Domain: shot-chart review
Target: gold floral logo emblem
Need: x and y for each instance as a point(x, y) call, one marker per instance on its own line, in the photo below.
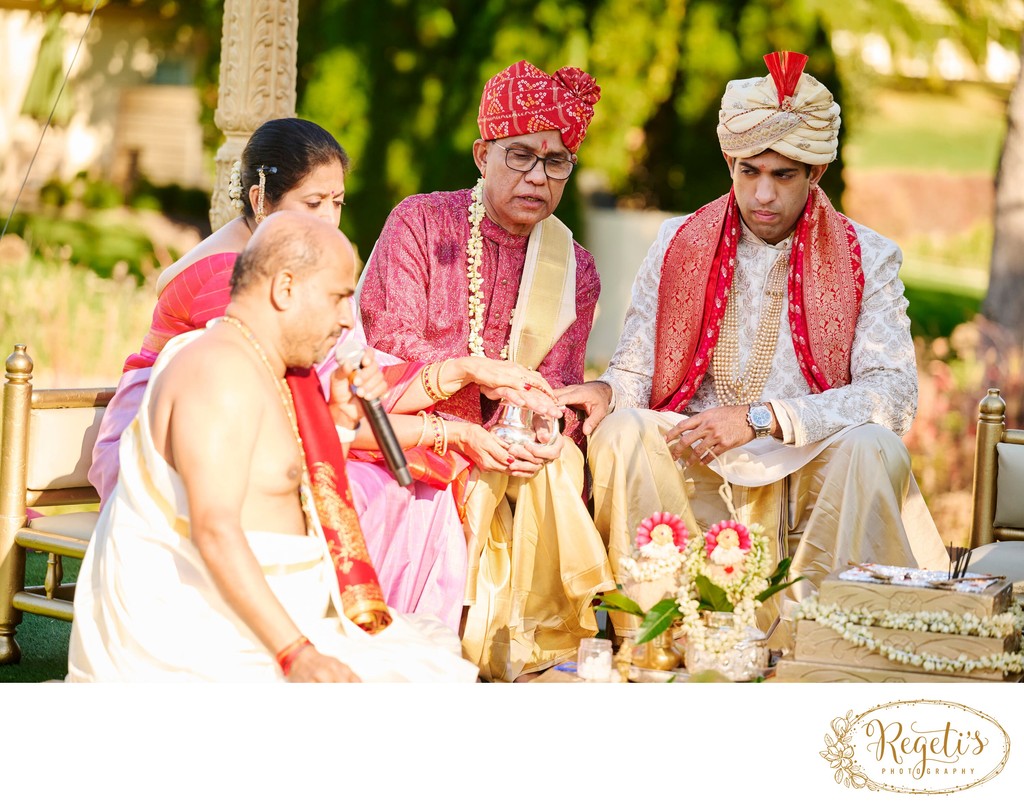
point(919, 746)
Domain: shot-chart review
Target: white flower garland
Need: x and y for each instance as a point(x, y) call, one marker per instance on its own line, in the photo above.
point(474, 261)
point(741, 589)
point(652, 561)
point(853, 625)
point(235, 186)
point(696, 631)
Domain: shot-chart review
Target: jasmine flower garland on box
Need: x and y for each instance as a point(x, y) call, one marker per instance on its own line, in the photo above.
point(854, 627)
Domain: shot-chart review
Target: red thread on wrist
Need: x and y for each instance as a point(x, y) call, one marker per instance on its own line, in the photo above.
point(287, 656)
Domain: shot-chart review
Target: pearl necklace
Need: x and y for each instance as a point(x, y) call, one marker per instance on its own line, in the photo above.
point(732, 386)
point(474, 261)
point(289, 407)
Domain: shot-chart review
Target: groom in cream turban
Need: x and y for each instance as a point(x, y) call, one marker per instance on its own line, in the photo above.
point(767, 342)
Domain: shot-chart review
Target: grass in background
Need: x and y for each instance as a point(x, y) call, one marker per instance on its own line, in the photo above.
point(43, 641)
point(78, 327)
point(946, 279)
point(958, 132)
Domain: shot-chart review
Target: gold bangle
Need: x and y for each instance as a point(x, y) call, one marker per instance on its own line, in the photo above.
point(435, 395)
point(437, 382)
point(425, 382)
point(438, 434)
point(423, 432)
point(444, 433)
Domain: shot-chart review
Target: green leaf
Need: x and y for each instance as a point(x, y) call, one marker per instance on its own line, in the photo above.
point(658, 619)
point(764, 595)
point(781, 571)
point(713, 596)
point(617, 602)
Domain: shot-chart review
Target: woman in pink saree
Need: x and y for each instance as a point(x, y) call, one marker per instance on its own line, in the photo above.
point(414, 535)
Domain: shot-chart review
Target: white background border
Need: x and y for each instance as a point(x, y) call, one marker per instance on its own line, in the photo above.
point(530, 745)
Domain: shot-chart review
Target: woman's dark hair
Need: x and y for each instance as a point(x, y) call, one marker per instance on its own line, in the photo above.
point(292, 146)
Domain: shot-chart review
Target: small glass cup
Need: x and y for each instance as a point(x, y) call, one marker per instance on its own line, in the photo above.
point(594, 663)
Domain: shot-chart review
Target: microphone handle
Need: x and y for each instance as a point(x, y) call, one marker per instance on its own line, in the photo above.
point(387, 440)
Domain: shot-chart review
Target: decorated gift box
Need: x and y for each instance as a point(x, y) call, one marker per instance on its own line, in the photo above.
point(877, 623)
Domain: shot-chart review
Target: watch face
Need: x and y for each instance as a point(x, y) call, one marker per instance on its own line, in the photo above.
point(760, 417)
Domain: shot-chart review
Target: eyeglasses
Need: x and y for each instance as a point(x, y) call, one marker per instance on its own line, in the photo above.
point(557, 168)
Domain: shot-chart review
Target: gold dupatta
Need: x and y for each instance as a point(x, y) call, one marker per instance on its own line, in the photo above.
point(531, 580)
point(546, 305)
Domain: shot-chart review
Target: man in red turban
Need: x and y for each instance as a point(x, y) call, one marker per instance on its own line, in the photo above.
point(490, 271)
point(768, 343)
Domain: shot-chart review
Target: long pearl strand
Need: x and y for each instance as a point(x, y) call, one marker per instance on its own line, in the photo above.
point(732, 386)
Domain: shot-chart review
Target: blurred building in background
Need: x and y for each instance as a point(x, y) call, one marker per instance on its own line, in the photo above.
point(129, 107)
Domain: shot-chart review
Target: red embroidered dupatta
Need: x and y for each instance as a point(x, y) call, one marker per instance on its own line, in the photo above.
point(361, 596)
point(825, 283)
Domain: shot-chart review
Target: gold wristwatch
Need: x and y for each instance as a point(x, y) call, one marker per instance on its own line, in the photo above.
point(759, 416)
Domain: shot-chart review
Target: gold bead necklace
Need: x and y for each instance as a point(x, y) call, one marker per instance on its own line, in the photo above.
point(733, 386)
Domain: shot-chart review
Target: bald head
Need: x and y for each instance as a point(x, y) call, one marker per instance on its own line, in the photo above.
point(291, 242)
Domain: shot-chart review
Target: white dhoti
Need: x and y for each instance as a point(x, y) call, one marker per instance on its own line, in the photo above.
point(148, 610)
point(850, 498)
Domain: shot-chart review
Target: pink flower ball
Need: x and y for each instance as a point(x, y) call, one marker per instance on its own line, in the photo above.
point(662, 528)
point(729, 533)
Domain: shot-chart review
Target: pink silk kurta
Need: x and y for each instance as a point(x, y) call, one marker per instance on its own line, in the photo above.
point(415, 291)
point(414, 536)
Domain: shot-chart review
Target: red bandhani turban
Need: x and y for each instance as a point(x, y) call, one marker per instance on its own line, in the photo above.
point(524, 99)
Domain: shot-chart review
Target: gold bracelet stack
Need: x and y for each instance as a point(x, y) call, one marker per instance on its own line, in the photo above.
point(439, 430)
point(434, 390)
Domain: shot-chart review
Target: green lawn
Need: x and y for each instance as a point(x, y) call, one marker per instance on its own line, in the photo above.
point(43, 641)
point(958, 132)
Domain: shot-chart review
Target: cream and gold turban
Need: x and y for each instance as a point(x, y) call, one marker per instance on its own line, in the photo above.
point(787, 111)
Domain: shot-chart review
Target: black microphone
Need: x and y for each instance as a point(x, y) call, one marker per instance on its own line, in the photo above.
point(350, 353)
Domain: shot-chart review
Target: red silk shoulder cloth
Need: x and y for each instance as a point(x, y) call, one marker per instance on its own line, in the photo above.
point(825, 282)
point(361, 596)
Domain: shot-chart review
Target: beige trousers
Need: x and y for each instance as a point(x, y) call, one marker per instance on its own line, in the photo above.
point(845, 505)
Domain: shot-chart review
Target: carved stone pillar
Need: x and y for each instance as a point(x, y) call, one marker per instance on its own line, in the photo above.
point(257, 82)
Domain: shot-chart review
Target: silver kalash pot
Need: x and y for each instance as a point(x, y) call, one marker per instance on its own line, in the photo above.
point(520, 425)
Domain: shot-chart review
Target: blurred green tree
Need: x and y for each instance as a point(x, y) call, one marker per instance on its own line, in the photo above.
point(399, 83)
point(678, 164)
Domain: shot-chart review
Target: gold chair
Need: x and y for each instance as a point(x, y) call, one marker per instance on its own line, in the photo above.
point(45, 454)
point(998, 498)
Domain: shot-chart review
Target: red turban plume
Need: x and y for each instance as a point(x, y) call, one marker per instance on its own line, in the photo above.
point(785, 67)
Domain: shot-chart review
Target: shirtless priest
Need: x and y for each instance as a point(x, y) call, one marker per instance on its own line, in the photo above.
point(229, 550)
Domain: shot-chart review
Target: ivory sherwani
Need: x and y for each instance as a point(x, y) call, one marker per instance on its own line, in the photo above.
point(148, 610)
point(829, 479)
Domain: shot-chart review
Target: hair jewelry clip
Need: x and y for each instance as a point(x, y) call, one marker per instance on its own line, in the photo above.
point(262, 171)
